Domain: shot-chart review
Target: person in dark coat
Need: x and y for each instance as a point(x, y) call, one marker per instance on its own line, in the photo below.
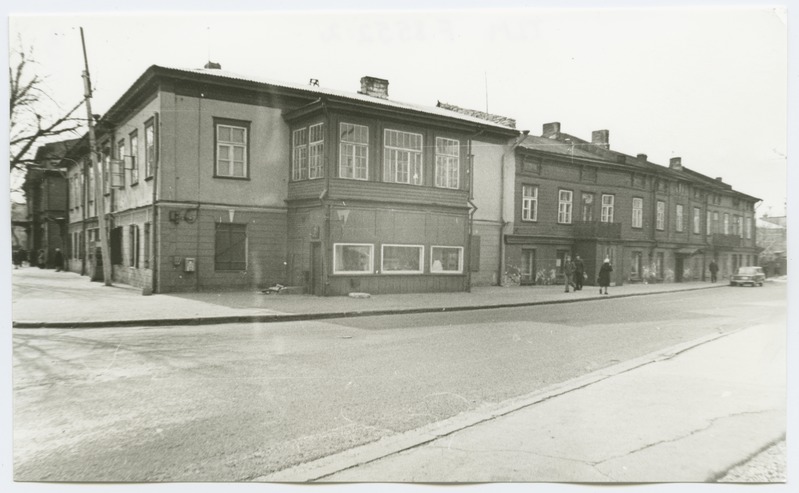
point(58, 260)
point(568, 272)
point(713, 268)
point(579, 273)
point(604, 276)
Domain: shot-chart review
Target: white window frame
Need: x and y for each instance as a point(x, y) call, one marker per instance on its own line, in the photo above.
point(231, 145)
point(726, 223)
point(565, 206)
point(134, 157)
point(709, 225)
point(529, 203)
point(679, 213)
point(299, 154)
point(460, 260)
point(608, 201)
point(448, 164)
point(355, 151)
point(748, 227)
point(638, 212)
point(316, 151)
point(740, 226)
point(660, 215)
point(398, 245)
point(307, 152)
point(337, 270)
point(393, 171)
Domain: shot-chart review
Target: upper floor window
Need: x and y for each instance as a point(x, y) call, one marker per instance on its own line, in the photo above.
point(588, 207)
point(739, 226)
point(232, 149)
point(402, 157)
point(726, 223)
point(134, 158)
point(607, 208)
point(679, 219)
point(307, 156)
point(638, 212)
point(564, 206)
point(749, 228)
point(529, 203)
point(121, 159)
point(447, 162)
point(150, 155)
point(697, 220)
point(660, 217)
point(354, 151)
point(715, 222)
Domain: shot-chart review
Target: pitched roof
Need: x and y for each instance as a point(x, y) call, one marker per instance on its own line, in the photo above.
point(502, 120)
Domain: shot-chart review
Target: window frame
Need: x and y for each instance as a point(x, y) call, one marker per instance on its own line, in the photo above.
point(679, 218)
point(232, 124)
point(529, 203)
point(344, 144)
point(697, 221)
point(726, 223)
point(121, 157)
point(445, 161)
point(410, 152)
point(150, 143)
point(232, 268)
point(314, 151)
point(446, 272)
point(660, 215)
point(337, 271)
point(401, 272)
point(133, 137)
point(638, 213)
point(563, 212)
point(607, 209)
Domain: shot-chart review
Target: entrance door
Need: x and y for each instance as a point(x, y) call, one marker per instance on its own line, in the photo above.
point(528, 266)
point(678, 268)
point(316, 269)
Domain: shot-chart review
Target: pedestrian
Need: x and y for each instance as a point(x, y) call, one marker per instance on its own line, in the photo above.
point(58, 259)
point(568, 273)
point(604, 276)
point(40, 260)
point(16, 258)
point(579, 273)
point(713, 270)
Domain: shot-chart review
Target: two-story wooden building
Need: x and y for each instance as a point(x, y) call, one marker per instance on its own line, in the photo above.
point(654, 223)
point(217, 180)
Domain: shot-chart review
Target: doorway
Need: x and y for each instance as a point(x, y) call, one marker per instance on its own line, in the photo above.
point(678, 268)
point(528, 266)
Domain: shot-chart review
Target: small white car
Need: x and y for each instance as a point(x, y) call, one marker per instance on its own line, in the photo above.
point(754, 276)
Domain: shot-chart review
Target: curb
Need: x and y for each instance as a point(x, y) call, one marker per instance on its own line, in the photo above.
point(297, 317)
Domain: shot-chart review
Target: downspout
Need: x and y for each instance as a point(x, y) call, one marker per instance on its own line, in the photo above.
point(473, 206)
point(154, 228)
point(324, 237)
point(503, 223)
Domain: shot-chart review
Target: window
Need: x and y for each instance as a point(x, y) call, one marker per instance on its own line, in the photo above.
point(121, 158)
point(402, 157)
point(402, 259)
point(588, 207)
point(354, 151)
point(353, 258)
point(564, 206)
point(133, 245)
point(726, 223)
point(307, 157)
point(739, 226)
point(150, 155)
point(715, 222)
point(230, 247)
point(446, 260)
point(447, 162)
point(635, 267)
point(638, 212)
point(708, 224)
point(697, 221)
point(134, 158)
point(607, 208)
point(749, 228)
point(232, 148)
point(146, 245)
point(660, 218)
point(679, 219)
point(529, 203)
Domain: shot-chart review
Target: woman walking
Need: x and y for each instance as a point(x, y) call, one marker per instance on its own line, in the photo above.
point(604, 276)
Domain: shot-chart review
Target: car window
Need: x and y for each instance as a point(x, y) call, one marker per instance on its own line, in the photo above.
point(749, 270)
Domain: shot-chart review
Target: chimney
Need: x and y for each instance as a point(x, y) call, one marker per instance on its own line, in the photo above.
point(601, 138)
point(551, 130)
point(642, 157)
point(211, 64)
point(675, 163)
point(718, 178)
point(372, 86)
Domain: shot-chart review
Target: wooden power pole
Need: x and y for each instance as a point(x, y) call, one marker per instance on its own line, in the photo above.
point(97, 167)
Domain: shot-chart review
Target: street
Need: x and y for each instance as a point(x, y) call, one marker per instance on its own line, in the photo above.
point(237, 402)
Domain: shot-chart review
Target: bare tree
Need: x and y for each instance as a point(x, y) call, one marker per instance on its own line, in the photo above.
point(31, 112)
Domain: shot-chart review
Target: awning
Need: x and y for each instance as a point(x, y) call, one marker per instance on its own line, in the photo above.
point(687, 251)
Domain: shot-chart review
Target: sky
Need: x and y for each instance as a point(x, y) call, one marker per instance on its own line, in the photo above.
point(706, 84)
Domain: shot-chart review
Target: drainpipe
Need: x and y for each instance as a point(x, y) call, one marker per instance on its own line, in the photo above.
point(509, 152)
point(473, 209)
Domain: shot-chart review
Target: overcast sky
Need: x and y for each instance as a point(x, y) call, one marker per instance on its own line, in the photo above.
point(708, 85)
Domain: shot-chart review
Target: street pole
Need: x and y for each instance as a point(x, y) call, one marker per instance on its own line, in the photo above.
point(96, 164)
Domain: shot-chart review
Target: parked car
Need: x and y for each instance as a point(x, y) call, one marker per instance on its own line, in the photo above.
point(751, 275)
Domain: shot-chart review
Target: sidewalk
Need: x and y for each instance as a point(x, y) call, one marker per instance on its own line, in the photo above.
point(685, 414)
point(45, 298)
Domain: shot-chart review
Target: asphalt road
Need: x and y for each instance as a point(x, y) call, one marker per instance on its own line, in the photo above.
point(234, 402)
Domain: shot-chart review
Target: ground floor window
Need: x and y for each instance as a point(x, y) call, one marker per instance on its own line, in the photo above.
point(146, 245)
point(353, 258)
point(230, 251)
point(635, 267)
point(133, 245)
point(446, 259)
point(402, 259)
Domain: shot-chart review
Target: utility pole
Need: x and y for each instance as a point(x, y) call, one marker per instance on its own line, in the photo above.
point(99, 172)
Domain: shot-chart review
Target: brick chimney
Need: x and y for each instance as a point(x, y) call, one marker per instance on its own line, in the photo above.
point(642, 157)
point(601, 138)
point(551, 130)
point(718, 178)
point(372, 86)
point(675, 163)
point(215, 65)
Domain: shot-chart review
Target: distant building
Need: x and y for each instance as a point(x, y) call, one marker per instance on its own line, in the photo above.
point(772, 238)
